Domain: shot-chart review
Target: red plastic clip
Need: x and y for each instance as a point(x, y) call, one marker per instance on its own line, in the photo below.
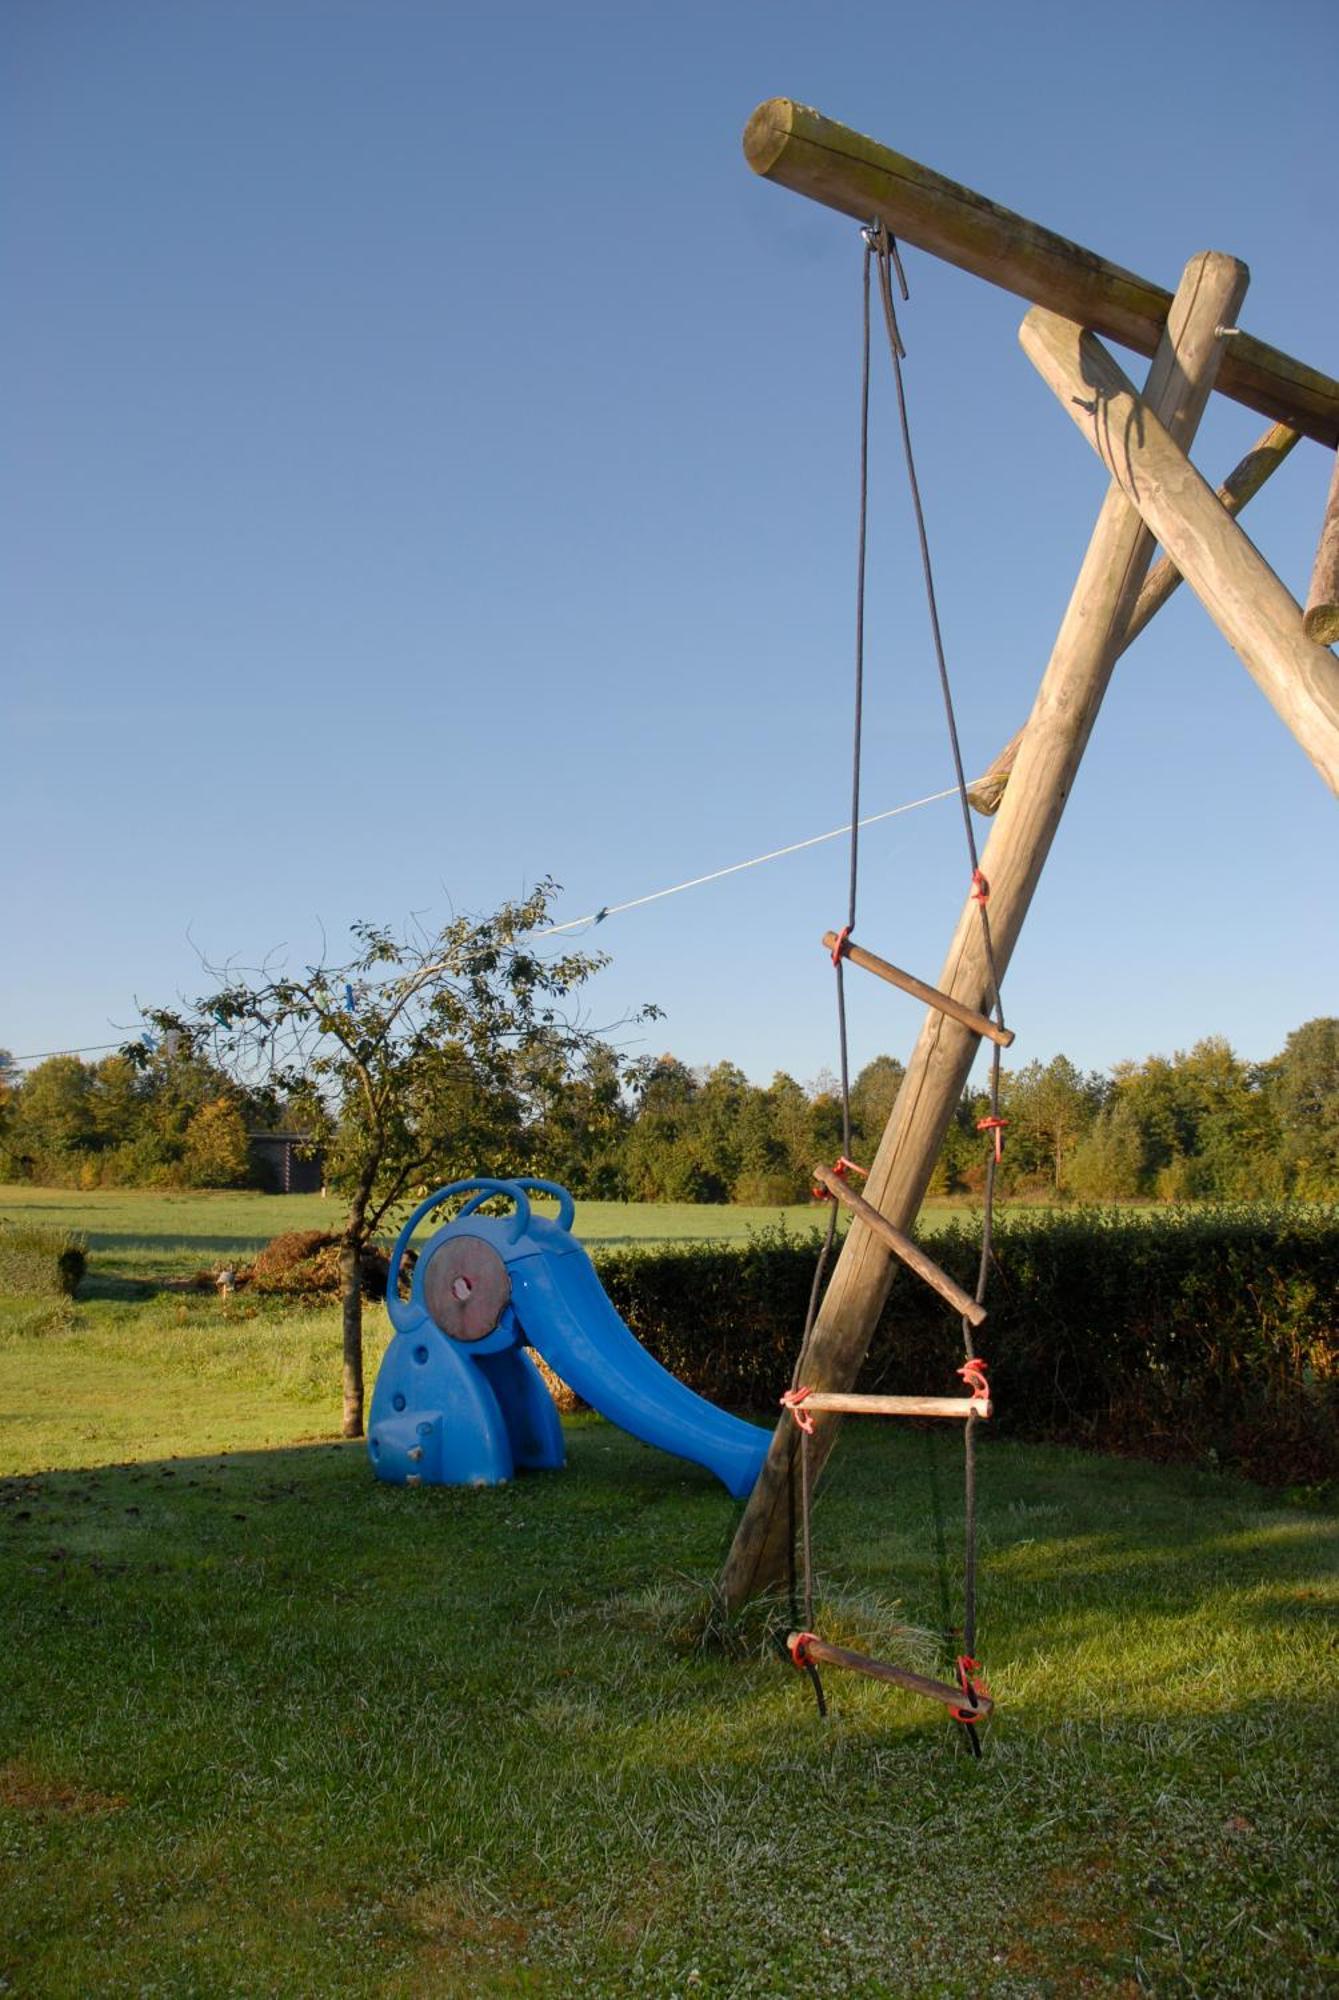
point(798, 1647)
point(973, 1373)
point(980, 888)
point(792, 1400)
point(841, 1167)
point(995, 1125)
point(972, 1685)
point(839, 949)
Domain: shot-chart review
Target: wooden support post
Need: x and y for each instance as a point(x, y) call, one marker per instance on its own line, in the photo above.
point(897, 1406)
point(1250, 606)
point(1067, 703)
point(902, 1247)
point(1242, 484)
point(801, 149)
point(1322, 600)
point(823, 1654)
point(868, 961)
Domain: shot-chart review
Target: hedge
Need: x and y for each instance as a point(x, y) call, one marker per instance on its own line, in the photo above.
point(37, 1262)
point(1195, 1334)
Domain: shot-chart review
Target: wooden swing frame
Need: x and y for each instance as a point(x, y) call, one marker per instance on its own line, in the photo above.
point(1195, 345)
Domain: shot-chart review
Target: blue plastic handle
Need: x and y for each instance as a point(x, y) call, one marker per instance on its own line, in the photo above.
point(486, 1189)
point(567, 1208)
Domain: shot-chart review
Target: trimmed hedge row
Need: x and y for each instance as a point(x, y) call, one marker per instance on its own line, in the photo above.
point(38, 1262)
point(1192, 1334)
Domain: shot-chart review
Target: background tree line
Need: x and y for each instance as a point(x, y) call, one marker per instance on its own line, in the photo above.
point(1200, 1124)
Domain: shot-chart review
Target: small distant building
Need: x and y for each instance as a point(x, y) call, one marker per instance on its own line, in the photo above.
point(287, 1163)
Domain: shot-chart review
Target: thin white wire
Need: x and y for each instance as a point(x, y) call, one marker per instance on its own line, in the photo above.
point(736, 867)
point(656, 895)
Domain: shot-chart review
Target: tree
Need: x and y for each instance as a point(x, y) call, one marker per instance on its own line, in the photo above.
point(1108, 1162)
point(1303, 1084)
point(54, 1116)
point(422, 1056)
point(872, 1097)
point(1049, 1106)
point(584, 1123)
point(661, 1154)
point(215, 1153)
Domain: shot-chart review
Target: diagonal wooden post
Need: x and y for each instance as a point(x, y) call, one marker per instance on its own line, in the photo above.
point(1252, 608)
point(1321, 622)
point(1085, 651)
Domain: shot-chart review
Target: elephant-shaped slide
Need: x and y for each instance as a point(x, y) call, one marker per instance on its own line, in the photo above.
point(459, 1402)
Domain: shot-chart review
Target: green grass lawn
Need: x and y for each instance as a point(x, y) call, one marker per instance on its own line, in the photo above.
point(270, 1728)
point(150, 1233)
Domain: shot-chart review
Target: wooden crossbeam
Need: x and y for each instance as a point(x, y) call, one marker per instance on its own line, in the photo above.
point(799, 148)
point(868, 961)
point(822, 1653)
point(1067, 702)
point(1251, 607)
point(851, 1404)
point(903, 1247)
point(1242, 484)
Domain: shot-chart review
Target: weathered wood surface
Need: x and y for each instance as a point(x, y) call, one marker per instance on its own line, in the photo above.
point(825, 1654)
point(903, 1247)
point(800, 149)
point(1241, 485)
point(1251, 607)
point(1321, 622)
point(984, 793)
point(1067, 702)
point(919, 989)
point(897, 1406)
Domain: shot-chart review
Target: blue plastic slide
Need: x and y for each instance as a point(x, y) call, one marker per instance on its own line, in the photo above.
point(458, 1401)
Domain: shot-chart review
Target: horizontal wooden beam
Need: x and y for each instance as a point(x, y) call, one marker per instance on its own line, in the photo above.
point(907, 982)
point(823, 1654)
point(854, 1405)
point(902, 1247)
point(801, 149)
point(1251, 607)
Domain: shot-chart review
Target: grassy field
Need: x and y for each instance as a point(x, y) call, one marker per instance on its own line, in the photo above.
point(269, 1728)
point(147, 1233)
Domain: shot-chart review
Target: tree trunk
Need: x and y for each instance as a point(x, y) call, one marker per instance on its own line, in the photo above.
point(351, 1307)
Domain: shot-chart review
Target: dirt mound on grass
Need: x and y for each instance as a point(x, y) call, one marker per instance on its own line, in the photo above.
point(306, 1261)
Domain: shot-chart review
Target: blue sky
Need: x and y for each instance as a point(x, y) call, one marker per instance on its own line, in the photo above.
point(431, 466)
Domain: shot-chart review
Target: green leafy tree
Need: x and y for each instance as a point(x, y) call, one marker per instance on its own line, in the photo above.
point(54, 1116)
point(215, 1153)
point(661, 1150)
point(1107, 1164)
point(1049, 1106)
point(584, 1122)
point(1303, 1086)
point(790, 1116)
point(1234, 1144)
point(415, 1059)
point(872, 1097)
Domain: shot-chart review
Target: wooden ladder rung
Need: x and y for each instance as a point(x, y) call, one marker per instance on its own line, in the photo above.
point(980, 1024)
point(823, 1654)
point(899, 1406)
point(902, 1246)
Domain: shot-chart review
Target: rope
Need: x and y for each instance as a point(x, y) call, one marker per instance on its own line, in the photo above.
point(881, 245)
point(853, 887)
point(881, 258)
point(737, 867)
